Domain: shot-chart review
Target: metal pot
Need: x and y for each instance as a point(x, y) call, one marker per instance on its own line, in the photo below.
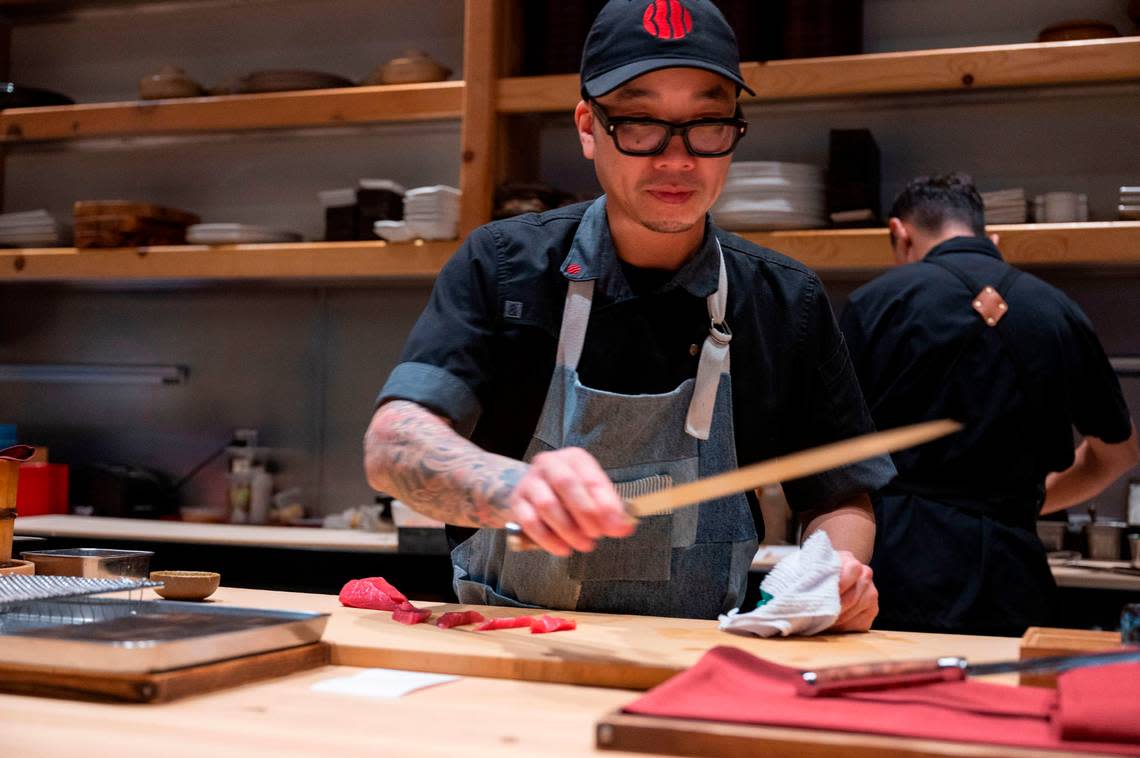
point(1052, 534)
point(1104, 539)
point(1134, 549)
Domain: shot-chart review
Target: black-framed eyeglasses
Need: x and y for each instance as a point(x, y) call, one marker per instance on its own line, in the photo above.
point(703, 137)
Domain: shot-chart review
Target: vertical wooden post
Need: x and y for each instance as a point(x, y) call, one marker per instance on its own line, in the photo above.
point(481, 59)
point(5, 70)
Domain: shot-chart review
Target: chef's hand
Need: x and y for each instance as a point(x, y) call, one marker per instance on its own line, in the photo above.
point(858, 597)
point(565, 502)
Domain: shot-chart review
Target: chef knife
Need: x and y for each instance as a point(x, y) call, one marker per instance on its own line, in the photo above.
point(838, 680)
point(783, 468)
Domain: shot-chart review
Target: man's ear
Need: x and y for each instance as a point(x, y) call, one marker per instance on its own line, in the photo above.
point(996, 239)
point(584, 121)
point(901, 241)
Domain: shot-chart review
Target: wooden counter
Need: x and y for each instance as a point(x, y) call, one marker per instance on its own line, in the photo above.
point(473, 716)
point(1086, 575)
point(352, 540)
point(149, 530)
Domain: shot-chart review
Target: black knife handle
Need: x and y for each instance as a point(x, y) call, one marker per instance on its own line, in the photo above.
point(871, 676)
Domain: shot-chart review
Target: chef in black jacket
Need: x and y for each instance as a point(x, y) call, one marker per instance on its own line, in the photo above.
point(957, 332)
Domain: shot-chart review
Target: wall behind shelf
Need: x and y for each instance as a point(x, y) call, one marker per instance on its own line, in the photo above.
point(102, 56)
point(891, 25)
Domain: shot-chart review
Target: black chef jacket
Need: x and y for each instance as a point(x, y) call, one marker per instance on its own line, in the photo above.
point(956, 548)
point(483, 351)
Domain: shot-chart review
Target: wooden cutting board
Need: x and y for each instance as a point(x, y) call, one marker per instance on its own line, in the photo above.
point(667, 736)
point(163, 686)
point(632, 652)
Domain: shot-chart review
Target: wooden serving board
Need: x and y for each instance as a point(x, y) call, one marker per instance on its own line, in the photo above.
point(163, 686)
point(631, 652)
point(669, 736)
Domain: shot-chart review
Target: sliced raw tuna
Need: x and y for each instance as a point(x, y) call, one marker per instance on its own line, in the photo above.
point(407, 613)
point(514, 622)
point(373, 593)
point(459, 618)
point(551, 624)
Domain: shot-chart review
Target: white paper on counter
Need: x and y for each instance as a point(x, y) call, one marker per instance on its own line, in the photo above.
point(388, 683)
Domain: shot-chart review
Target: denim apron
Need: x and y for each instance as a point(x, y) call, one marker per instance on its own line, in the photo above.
point(690, 563)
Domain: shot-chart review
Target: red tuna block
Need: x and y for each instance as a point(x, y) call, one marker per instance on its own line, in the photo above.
point(373, 593)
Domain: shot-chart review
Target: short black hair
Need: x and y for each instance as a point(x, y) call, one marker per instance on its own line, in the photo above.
point(930, 202)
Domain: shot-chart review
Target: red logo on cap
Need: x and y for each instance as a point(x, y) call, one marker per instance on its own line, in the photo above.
point(667, 19)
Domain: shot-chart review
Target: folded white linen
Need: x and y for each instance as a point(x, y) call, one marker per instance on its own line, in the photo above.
point(800, 595)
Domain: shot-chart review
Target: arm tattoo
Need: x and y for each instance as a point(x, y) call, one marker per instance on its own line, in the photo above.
point(415, 456)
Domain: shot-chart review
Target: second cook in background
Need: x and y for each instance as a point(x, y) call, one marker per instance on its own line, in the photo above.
point(593, 342)
point(957, 332)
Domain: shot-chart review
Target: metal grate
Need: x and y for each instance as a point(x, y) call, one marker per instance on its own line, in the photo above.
point(19, 589)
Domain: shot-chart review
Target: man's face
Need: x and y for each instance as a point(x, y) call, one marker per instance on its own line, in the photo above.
point(669, 192)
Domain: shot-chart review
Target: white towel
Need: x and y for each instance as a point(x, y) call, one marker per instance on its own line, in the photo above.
point(800, 595)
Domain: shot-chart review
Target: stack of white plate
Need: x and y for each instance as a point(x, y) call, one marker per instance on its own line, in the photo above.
point(432, 213)
point(237, 234)
point(1129, 207)
point(1005, 206)
point(772, 195)
point(31, 229)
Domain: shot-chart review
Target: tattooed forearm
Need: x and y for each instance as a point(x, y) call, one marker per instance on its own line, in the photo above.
point(415, 456)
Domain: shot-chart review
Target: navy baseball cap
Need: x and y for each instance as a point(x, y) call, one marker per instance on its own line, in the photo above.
point(633, 37)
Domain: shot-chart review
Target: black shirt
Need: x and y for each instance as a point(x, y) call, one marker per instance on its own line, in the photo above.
point(1020, 387)
point(483, 351)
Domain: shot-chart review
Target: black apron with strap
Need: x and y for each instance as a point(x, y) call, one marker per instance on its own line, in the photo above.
point(954, 560)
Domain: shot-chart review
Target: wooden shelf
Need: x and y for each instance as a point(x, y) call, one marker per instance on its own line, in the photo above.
point(276, 110)
point(963, 69)
point(1100, 243)
point(1110, 243)
point(296, 261)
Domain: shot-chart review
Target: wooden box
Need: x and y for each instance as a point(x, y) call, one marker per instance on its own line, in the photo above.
point(1039, 642)
point(119, 223)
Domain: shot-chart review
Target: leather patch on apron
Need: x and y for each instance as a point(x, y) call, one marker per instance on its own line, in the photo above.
point(990, 305)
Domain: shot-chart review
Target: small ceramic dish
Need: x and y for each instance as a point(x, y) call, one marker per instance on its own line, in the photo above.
point(169, 82)
point(412, 67)
point(1077, 29)
point(17, 567)
point(186, 585)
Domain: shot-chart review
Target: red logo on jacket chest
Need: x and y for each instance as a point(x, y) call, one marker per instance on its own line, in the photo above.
point(667, 19)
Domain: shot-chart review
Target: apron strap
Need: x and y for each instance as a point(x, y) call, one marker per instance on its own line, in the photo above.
point(575, 318)
point(714, 359)
point(714, 354)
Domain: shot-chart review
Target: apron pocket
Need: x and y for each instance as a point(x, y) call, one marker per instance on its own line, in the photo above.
point(642, 557)
point(475, 593)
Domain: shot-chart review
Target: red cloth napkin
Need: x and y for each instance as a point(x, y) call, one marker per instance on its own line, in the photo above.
point(728, 684)
point(1100, 703)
